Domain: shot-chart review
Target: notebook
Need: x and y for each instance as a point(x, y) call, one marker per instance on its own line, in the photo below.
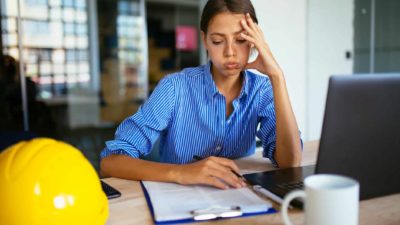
point(360, 138)
point(172, 203)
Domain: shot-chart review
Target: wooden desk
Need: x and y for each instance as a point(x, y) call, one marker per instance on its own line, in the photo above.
point(131, 208)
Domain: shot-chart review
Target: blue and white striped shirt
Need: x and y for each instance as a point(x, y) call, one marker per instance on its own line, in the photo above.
point(189, 115)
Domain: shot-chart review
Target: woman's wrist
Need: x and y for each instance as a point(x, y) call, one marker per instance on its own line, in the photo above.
point(271, 67)
point(173, 174)
point(276, 76)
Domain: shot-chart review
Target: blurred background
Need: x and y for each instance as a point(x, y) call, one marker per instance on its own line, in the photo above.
point(74, 69)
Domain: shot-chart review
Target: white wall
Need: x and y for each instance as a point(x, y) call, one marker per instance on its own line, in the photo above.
point(309, 39)
point(284, 25)
point(329, 36)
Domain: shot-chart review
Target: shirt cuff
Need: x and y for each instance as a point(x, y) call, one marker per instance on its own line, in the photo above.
point(115, 149)
point(269, 153)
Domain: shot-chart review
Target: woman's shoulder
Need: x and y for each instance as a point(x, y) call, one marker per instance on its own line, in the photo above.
point(257, 79)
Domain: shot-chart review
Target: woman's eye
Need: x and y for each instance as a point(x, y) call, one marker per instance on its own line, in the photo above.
point(241, 41)
point(216, 42)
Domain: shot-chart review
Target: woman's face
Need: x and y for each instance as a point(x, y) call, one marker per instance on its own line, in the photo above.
point(227, 49)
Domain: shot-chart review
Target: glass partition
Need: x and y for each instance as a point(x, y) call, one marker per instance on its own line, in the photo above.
point(376, 36)
point(85, 69)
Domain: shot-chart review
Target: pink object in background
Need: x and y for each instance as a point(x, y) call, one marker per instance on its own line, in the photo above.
point(186, 38)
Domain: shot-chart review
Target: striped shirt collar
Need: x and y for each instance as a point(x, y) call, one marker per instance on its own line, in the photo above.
point(212, 87)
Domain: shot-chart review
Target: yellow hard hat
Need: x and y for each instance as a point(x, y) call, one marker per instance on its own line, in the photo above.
point(48, 182)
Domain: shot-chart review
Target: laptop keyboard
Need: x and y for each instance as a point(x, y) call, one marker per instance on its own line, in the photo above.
point(291, 186)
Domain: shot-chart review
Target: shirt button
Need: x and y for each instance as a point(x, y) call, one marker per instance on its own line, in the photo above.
point(218, 148)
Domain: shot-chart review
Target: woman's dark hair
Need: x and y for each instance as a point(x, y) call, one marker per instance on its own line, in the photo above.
point(214, 7)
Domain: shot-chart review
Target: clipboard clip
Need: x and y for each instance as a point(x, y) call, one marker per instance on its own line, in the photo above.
point(216, 212)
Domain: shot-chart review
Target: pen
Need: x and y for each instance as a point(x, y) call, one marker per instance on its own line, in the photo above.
point(196, 157)
point(268, 194)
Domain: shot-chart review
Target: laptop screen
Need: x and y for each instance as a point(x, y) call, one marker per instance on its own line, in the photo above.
point(360, 138)
point(361, 132)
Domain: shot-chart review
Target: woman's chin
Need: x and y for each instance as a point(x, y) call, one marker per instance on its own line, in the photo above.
point(232, 72)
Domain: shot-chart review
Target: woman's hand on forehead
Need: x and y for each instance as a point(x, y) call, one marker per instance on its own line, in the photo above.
point(265, 62)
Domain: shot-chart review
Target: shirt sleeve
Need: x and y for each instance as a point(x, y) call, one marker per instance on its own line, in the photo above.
point(136, 135)
point(267, 120)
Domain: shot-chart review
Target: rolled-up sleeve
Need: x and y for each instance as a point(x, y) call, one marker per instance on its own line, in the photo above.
point(136, 135)
point(267, 119)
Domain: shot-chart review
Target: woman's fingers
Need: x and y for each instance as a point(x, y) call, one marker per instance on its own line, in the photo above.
point(213, 171)
point(213, 181)
point(250, 22)
point(246, 27)
point(225, 162)
point(248, 38)
point(230, 169)
point(252, 33)
point(226, 178)
point(225, 174)
point(221, 169)
point(251, 28)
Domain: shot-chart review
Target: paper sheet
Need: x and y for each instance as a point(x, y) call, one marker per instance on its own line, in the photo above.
point(174, 202)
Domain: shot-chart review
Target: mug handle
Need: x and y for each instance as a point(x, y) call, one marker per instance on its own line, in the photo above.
point(288, 198)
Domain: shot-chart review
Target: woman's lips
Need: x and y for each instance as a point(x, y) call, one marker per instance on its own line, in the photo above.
point(231, 65)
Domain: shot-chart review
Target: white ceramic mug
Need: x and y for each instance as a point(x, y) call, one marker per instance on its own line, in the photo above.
point(328, 200)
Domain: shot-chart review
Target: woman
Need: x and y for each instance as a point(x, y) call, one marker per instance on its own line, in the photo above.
point(212, 111)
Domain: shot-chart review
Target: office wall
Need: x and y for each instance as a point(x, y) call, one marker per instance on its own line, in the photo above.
point(329, 36)
point(284, 25)
point(309, 39)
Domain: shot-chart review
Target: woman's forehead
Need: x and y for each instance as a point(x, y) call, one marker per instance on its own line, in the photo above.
point(225, 24)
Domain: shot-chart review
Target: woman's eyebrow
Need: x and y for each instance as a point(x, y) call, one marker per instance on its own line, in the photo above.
point(222, 34)
point(217, 34)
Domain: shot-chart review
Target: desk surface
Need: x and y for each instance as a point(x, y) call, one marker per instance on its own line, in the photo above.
point(131, 208)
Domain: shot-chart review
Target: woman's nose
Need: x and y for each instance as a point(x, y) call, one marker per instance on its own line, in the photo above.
point(229, 50)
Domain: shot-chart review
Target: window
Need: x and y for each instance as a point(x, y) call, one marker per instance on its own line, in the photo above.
point(55, 42)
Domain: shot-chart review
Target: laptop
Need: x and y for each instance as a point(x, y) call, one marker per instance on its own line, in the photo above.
point(360, 138)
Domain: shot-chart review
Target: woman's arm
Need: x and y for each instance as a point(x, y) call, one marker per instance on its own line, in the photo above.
point(136, 135)
point(212, 171)
point(288, 146)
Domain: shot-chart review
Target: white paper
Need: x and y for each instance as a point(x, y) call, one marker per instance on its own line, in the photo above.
point(174, 202)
